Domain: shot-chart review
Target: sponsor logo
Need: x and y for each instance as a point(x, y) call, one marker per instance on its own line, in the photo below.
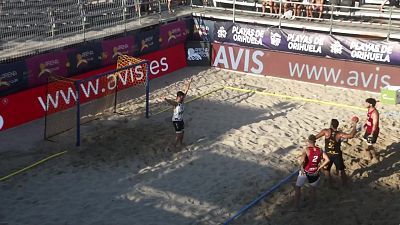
point(371, 51)
point(386, 97)
point(305, 68)
point(222, 32)
point(246, 60)
point(197, 54)
point(305, 42)
point(101, 87)
point(276, 39)
point(336, 48)
point(1, 122)
point(247, 35)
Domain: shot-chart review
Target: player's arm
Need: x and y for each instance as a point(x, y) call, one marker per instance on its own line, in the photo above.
point(326, 161)
point(351, 134)
point(171, 102)
point(302, 160)
point(187, 87)
point(375, 119)
point(321, 134)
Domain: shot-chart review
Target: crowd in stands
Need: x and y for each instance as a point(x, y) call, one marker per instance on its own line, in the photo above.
point(309, 9)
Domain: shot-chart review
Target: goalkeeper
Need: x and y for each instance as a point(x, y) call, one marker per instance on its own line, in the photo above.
point(177, 117)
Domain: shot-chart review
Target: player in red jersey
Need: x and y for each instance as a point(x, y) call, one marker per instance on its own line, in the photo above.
point(310, 161)
point(371, 127)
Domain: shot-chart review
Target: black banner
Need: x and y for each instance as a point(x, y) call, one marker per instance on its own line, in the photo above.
point(13, 78)
point(148, 41)
point(309, 43)
point(85, 58)
point(203, 30)
point(198, 53)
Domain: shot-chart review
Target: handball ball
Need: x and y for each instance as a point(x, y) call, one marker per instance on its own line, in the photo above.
point(355, 119)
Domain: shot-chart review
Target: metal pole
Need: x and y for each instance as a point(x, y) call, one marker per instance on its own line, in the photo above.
point(159, 9)
point(233, 12)
point(280, 13)
point(331, 20)
point(390, 23)
point(78, 115)
point(116, 93)
point(46, 110)
point(124, 11)
point(139, 5)
point(147, 90)
point(265, 194)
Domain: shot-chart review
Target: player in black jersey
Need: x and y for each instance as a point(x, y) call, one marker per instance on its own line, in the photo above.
point(333, 140)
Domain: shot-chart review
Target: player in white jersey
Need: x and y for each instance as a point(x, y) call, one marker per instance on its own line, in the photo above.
point(177, 117)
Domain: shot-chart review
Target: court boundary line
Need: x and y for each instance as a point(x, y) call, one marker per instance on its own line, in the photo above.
point(32, 165)
point(294, 98)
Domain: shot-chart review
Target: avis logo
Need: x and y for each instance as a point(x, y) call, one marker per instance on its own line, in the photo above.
point(275, 39)
point(222, 32)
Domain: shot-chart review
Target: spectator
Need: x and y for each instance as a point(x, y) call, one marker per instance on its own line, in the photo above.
point(273, 7)
point(393, 3)
point(318, 6)
point(170, 10)
point(306, 6)
point(286, 5)
point(295, 7)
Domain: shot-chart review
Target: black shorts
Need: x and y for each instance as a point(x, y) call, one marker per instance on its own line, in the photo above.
point(312, 177)
point(179, 126)
point(336, 159)
point(371, 141)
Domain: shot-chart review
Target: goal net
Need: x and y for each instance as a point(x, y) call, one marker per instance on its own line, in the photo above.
point(70, 103)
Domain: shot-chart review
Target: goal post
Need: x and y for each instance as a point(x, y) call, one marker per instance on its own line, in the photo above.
point(130, 72)
point(92, 96)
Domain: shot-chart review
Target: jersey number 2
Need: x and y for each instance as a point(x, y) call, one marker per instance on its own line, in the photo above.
point(315, 159)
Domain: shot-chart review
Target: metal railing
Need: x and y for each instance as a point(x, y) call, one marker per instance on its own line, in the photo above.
point(30, 26)
point(335, 18)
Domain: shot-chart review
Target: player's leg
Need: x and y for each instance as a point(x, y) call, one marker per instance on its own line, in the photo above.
point(313, 180)
point(371, 141)
point(178, 131)
point(339, 164)
point(301, 179)
point(180, 139)
point(327, 169)
point(179, 128)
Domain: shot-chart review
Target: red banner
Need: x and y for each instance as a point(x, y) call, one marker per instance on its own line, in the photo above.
point(340, 73)
point(25, 106)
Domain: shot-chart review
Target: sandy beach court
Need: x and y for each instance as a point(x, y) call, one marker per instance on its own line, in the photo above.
point(238, 145)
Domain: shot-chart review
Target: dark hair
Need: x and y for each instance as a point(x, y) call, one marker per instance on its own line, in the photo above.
point(180, 94)
point(335, 123)
point(371, 101)
point(312, 138)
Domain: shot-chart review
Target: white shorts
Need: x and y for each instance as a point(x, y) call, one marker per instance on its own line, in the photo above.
point(312, 180)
